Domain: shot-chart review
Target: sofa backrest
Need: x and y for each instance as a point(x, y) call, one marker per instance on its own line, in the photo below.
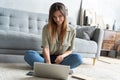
point(22, 21)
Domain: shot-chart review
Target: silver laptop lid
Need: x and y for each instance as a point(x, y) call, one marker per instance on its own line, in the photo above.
point(54, 71)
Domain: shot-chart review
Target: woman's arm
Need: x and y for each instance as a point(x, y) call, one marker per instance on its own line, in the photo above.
point(66, 53)
point(46, 55)
point(45, 45)
point(60, 58)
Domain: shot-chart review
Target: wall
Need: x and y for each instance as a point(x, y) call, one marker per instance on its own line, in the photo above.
point(42, 6)
point(108, 9)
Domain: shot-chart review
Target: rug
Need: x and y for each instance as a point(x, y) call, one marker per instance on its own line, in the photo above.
point(101, 71)
point(109, 60)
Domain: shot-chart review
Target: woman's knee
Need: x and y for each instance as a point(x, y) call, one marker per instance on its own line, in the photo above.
point(29, 56)
point(30, 53)
point(77, 57)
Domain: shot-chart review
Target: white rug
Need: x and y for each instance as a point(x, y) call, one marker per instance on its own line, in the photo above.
point(101, 71)
point(109, 60)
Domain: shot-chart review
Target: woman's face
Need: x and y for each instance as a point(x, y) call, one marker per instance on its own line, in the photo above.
point(58, 17)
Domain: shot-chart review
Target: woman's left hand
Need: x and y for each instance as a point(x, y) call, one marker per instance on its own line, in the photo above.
point(59, 59)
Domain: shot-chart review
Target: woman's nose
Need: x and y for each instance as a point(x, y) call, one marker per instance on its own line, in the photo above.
point(57, 19)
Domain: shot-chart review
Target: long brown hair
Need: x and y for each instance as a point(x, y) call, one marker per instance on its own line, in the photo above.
point(52, 26)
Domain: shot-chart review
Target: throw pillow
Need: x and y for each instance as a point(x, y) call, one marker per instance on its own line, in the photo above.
point(86, 31)
point(85, 36)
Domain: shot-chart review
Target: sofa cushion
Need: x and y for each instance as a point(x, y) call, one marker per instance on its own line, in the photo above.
point(19, 40)
point(85, 46)
point(85, 32)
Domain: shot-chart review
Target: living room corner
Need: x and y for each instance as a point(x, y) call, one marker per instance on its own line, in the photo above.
point(21, 25)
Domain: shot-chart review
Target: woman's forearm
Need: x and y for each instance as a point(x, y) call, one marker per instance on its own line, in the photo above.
point(60, 58)
point(66, 53)
point(46, 55)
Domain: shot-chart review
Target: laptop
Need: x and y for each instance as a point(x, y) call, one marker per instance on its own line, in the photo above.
point(52, 71)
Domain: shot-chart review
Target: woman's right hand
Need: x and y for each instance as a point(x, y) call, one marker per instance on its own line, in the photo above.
point(48, 62)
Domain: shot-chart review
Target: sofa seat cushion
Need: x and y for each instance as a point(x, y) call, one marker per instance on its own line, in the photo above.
point(85, 46)
point(19, 40)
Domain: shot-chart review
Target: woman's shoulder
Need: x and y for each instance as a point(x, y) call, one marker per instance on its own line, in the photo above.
point(45, 26)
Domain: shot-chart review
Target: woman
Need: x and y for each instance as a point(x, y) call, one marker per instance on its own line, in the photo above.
point(57, 40)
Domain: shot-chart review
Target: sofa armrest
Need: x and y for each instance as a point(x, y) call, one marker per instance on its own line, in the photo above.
point(98, 38)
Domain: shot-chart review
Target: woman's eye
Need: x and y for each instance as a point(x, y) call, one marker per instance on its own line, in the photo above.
point(54, 17)
point(60, 15)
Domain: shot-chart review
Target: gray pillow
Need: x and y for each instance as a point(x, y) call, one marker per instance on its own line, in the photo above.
point(85, 32)
point(85, 36)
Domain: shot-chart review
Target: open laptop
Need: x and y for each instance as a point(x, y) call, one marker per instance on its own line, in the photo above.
point(54, 71)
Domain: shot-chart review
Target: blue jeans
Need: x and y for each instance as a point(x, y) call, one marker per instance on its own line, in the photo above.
point(73, 60)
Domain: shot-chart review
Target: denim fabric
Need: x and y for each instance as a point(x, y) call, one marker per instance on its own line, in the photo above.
point(73, 60)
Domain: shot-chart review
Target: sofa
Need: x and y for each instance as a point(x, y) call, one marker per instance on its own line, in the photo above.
point(21, 31)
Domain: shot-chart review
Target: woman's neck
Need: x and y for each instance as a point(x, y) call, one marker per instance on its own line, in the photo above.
point(59, 26)
point(59, 30)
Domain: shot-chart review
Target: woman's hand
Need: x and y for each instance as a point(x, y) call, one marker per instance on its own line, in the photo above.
point(48, 62)
point(59, 59)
